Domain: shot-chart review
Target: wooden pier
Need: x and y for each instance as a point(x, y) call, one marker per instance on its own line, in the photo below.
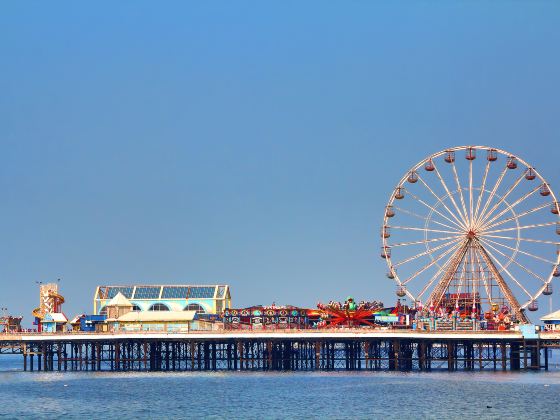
point(282, 351)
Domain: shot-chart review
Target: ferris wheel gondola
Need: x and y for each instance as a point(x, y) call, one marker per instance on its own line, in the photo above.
point(472, 233)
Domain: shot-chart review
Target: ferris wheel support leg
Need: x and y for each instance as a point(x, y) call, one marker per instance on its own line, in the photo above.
point(442, 286)
point(513, 303)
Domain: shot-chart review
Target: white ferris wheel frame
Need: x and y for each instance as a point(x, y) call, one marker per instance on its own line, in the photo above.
point(479, 215)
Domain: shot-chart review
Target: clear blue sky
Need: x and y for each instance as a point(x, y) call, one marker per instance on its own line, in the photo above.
point(249, 143)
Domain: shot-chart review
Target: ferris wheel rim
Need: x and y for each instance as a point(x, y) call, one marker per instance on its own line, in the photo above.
point(494, 219)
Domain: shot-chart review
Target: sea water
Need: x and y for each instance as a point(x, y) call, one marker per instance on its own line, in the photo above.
point(230, 395)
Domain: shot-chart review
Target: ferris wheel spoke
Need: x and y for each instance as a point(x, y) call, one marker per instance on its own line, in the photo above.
point(432, 208)
point(509, 259)
point(536, 225)
point(422, 217)
point(539, 241)
point(443, 267)
point(428, 252)
point(482, 190)
point(470, 193)
point(491, 196)
point(459, 223)
point(513, 260)
point(518, 216)
point(446, 188)
point(510, 207)
point(461, 196)
point(519, 251)
point(505, 270)
point(434, 261)
point(424, 229)
point(422, 242)
point(502, 198)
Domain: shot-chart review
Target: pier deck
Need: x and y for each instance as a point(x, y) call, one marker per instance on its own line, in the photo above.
point(288, 350)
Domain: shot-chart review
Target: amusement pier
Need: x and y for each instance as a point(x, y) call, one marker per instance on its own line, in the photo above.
point(470, 236)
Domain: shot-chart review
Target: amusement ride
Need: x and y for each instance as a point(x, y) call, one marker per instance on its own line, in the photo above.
point(50, 303)
point(472, 230)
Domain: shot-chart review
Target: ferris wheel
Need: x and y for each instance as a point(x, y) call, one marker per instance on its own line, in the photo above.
point(472, 228)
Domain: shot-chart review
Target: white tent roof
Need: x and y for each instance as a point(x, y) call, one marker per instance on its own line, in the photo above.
point(55, 316)
point(553, 316)
point(119, 300)
point(158, 316)
point(76, 319)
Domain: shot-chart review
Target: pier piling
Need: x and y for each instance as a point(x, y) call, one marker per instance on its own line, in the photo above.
point(304, 352)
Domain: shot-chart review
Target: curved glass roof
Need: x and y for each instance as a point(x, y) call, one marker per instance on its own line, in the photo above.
point(152, 292)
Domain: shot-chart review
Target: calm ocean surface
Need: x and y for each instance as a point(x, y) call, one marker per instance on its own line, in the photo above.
point(384, 395)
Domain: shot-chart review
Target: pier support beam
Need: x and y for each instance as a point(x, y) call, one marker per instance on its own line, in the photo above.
point(284, 353)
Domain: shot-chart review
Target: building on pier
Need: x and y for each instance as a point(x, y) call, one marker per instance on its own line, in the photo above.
point(552, 321)
point(53, 322)
point(268, 317)
point(162, 321)
point(10, 324)
point(203, 299)
point(121, 316)
point(89, 323)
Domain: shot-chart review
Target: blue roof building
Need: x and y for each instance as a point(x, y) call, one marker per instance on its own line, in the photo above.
point(203, 299)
